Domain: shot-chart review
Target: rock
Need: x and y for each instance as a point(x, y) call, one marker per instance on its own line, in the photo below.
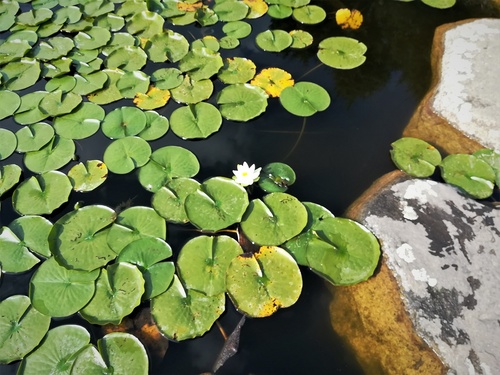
point(460, 112)
point(437, 287)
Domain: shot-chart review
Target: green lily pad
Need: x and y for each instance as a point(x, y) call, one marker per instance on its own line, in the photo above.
point(109, 93)
point(11, 102)
point(274, 40)
point(88, 176)
point(206, 16)
point(167, 78)
point(201, 63)
point(229, 42)
point(123, 122)
point(342, 52)
point(110, 21)
point(156, 126)
point(57, 291)
point(157, 279)
point(264, 282)
point(33, 137)
point(67, 15)
point(217, 204)
point(127, 58)
point(119, 289)
point(471, 174)
point(10, 175)
point(167, 46)
point(242, 102)
point(65, 83)
point(57, 351)
point(21, 328)
point(492, 158)
point(300, 39)
point(191, 91)
point(305, 99)
point(58, 103)
point(154, 98)
point(203, 261)
point(124, 353)
point(276, 177)
point(33, 231)
point(208, 41)
point(82, 123)
point(165, 164)
point(78, 239)
point(125, 154)
point(89, 361)
point(34, 17)
point(41, 194)
point(14, 255)
point(182, 314)
point(29, 111)
point(53, 48)
point(279, 11)
point(134, 223)
point(132, 83)
point(145, 24)
point(8, 11)
point(415, 156)
point(231, 10)
point(54, 155)
point(8, 143)
point(89, 83)
point(275, 220)
point(12, 50)
point(97, 8)
point(92, 39)
point(168, 201)
point(237, 70)
point(195, 121)
point(118, 40)
point(21, 74)
point(309, 14)
point(440, 4)
point(237, 29)
point(56, 68)
point(346, 253)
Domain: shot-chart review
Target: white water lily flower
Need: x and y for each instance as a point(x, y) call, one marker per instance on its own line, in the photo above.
point(246, 175)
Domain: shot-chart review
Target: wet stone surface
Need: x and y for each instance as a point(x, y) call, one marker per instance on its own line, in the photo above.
point(444, 250)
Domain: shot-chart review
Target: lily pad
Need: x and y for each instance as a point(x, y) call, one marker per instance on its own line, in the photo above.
point(415, 156)
point(54, 155)
point(279, 11)
point(65, 83)
point(276, 177)
point(29, 111)
point(309, 14)
point(440, 4)
point(165, 164)
point(195, 121)
point(242, 102)
point(203, 261)
point(169, 200)
point(154, 98)
point(124, 353)
point(57, 352)
point(57, 291)
point(53, 48)
point(33, 231)
point(33, 137)
point(125, 154)
point(492, 158)
point(471, 174)
point(156, 126)
point(8, 143)
point(191, 91)
point(274, 40)
point(167, 78)
point(21, 74)
point(274, 220)
point(237, 70)
point(34, 17)
point(167, 46)
point(109, 93)
point(10, 175)
point(263, 282)
point(300, 39)
point(58, 103)
point(237, 29)
point(78, 239)
point(305, 99)
point(82, 123)
point(119, 289)
point(12, 50)
point(201, 63)
point(93, 38)
point(145, 24)
point(342, 52)
point(133, 83)
point(41, 194)
point(257, 8)
point(123, 122)
point(273, 81)
point(21, 328)
point(14, 255)
point(217, 204)
point(10, 103)
point(88, 176)
point(127, 58)
point(182, 314)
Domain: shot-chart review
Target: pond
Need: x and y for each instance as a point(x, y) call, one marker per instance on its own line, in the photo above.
point(336, 155)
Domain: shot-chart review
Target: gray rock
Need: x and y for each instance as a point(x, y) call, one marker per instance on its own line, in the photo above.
point(468, 94)
point(444, 249)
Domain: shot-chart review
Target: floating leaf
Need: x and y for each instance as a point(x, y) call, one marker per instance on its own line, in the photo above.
point(182, 314)
point(275, 220)
point(237, 70)
point(8, 143)
point(167, 163)
point(9, 177)
point(217, 204)
point(21, 74)
point(156, 126)
point(127, 58)
point(10, 103)
point(89, 83)
point(29, 111)
point(276, 177)
point(53, 48)
point(440, 4)
point(203, 261)
point(273, 40)
point(57, 351)
point(167, 78)
point(206, 16)
point(93, 38)
point(12, 50)
point(33, 231)
point(257, 8)
point(21, 328)
point(8, 10)
point(237, 29)
point(349, 19)
point(145, 24)
point(191, 91)
point(132, 84)
point(208, 41)
point(54, 155)
point(109, 93)
point(342, 52)
point(124, 353)
point(57, 291)
point(167, 46)
point(415, 156)
point(33, 137)
point(118, 40)
point(81, 123)
point(229, 42)
point(231, 10)
point(305, 99)
point(242, 102)
point(123, 122)
point(169, 200)
point(279, 11)
point(34, 17)
point(14, 255)
point(41, 194)
point(118, 291)
point(152, 99)
point(471, 174)
point(56, 68)
point(263, 282)
point(125, 154)
point(309, 14)
point(57, 103)
point(492, 158)
point(195, 121)
point(88, 176)
point(273, 81)
point(201, 63)
point(78, 239)
point(300, 39)
point(65, 83)
point(110, 21)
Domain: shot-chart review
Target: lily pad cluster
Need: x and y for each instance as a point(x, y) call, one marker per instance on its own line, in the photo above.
point(477, 174)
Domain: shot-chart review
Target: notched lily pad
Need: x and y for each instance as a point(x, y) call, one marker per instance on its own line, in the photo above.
point(415, 156)
point(342, 52)
point(88, 176)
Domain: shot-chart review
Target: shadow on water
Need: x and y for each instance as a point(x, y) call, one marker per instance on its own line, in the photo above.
point(336, 154)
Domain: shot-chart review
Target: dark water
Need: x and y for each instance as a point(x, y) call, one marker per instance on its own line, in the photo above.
point(336, 155)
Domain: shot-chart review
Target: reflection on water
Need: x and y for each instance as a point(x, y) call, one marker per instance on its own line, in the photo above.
point(336, 154)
